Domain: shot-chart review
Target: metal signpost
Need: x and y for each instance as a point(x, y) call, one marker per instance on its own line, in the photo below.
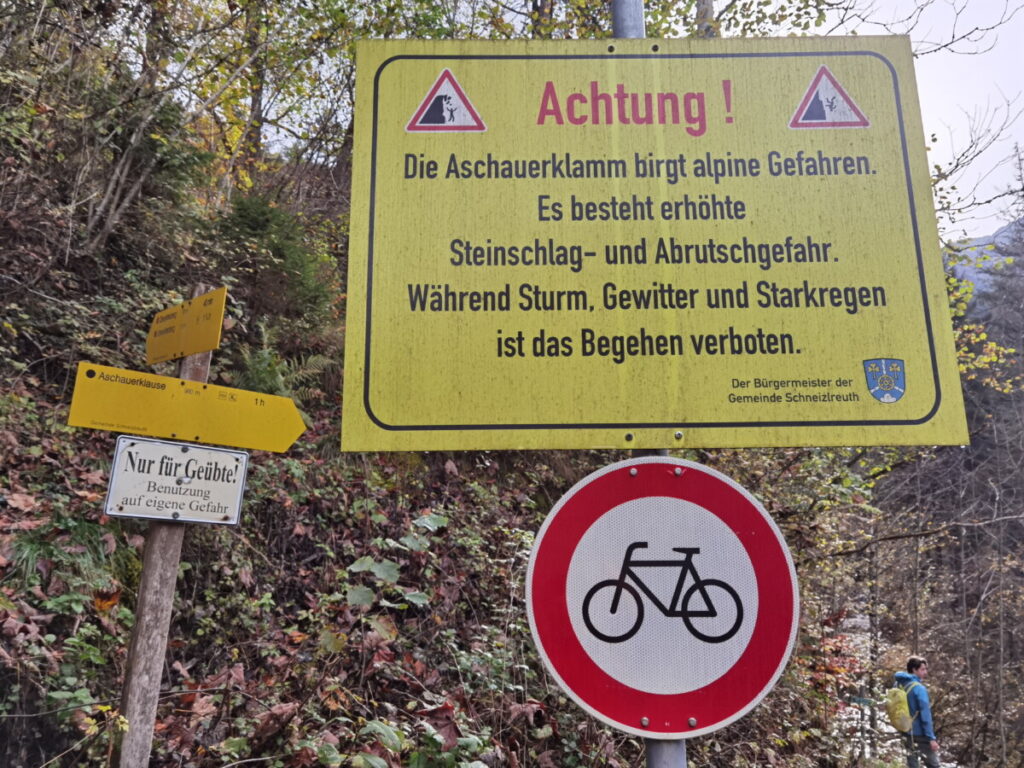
point(740, 229)
point(663, 599)
point(628, 22)
point(648, 244)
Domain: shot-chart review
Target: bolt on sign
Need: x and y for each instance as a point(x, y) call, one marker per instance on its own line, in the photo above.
point(644, 243)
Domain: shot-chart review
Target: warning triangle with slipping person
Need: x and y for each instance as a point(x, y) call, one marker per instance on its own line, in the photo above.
point(446, 108)
point(826, 104)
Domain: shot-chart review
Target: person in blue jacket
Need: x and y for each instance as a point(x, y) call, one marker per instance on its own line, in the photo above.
point(921, 742)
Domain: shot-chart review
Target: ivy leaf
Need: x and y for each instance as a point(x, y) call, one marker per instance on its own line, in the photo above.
point(386, 570)
point(234, 746)
point(333, 642)
point(359, 596)
point(328, 755)
point(415, 542)
point(362, 564)
point(387, 735)
point(431, 522)
point(383, 626)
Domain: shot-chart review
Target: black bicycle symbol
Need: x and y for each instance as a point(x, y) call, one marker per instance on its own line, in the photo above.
point(609, 603)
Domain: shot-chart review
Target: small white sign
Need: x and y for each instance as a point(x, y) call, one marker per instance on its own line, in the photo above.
point(161, 480)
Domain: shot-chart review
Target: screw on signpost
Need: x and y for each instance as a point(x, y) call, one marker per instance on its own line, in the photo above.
point(153, 611)
point(628, 22)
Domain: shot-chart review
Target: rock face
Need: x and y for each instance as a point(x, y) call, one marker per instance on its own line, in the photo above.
point(993, 264)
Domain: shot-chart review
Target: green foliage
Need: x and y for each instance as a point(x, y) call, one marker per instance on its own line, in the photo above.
point(282, 275)
point(589, 19)
point(262, 369)
point(286, 273)
point(81, 260)
point(982, 357)
point(62, 574)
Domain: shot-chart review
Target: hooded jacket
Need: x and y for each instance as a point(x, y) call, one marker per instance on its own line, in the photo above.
point(920, 706)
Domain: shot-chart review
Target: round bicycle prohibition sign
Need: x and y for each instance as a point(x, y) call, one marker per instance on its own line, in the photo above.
point(662, 597)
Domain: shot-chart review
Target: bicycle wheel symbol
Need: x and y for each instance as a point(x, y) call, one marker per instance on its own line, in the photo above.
point(616, 624)
point(712, 624)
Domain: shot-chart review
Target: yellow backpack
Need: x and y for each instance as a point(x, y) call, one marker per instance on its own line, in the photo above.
point(897, 708)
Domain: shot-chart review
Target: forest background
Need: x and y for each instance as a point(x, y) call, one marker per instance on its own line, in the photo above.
point(368, 611)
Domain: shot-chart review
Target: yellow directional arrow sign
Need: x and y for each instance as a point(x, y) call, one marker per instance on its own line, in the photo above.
point(187, 328)
point(161, 406)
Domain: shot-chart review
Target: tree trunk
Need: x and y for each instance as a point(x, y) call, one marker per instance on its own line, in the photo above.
point(251, 148)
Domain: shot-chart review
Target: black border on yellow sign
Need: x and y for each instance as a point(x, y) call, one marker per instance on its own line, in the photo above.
point(367, 367)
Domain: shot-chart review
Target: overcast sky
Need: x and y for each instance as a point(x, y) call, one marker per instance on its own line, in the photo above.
point(959, 90)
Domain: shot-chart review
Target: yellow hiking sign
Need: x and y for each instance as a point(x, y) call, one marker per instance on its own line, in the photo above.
point(138, 403)
point(188, 328)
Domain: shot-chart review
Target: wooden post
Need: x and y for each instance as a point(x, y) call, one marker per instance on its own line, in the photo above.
point(153, 612)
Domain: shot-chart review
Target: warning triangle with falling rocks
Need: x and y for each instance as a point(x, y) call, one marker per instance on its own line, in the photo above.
point(827, 105)
point(446, 108)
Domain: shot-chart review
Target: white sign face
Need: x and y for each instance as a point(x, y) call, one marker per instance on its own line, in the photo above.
point(663, 524)
point(185, 482)
point(662, 598)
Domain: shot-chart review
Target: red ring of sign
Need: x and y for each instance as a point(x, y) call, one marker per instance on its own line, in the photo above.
point(738, 689)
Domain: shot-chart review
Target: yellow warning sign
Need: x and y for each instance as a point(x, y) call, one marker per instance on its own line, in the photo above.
point(653, 243)
point(138, 403)
point(188, 328)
